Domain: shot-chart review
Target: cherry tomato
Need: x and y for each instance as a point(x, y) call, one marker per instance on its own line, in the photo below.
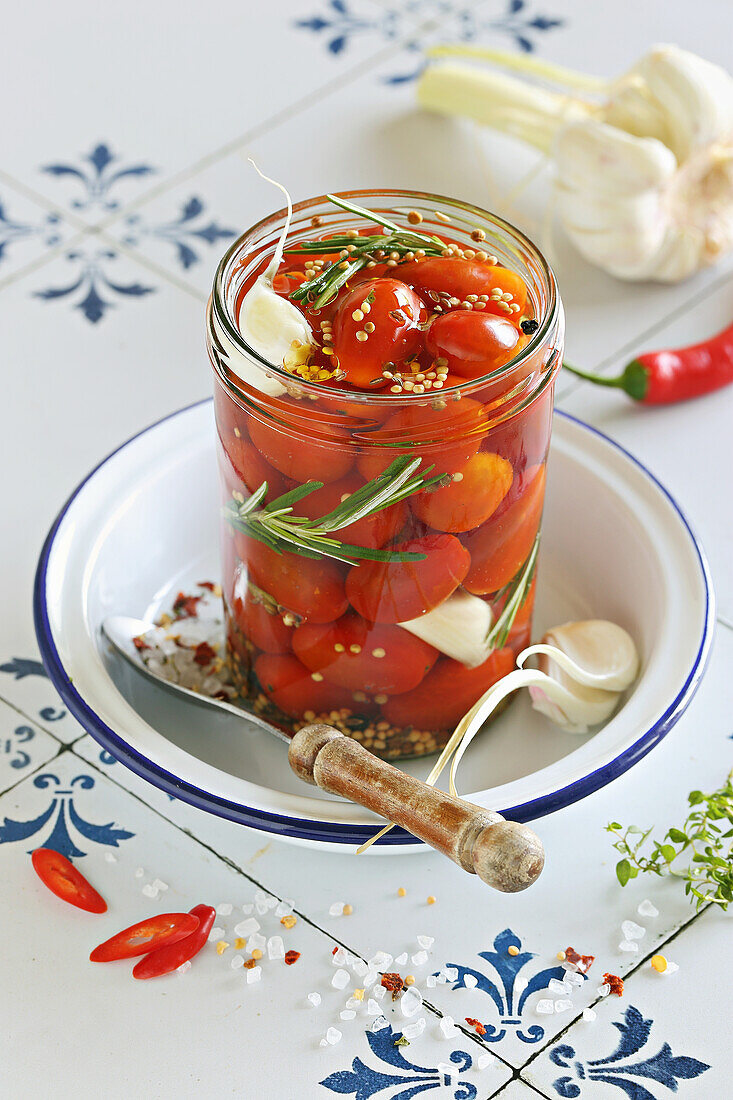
point(251, 469)
point(501, 546)
point(459, 278)
point(473, 343)
point(394, 592)
point(395, 311)
point(62, 878)
point(318, 454)
point(373, 531)
point(261, 624)
point(443, 437)
point(468, 501)
point(364, 657)
point(447, 692)
point(295, 689)
point(311, 587)
point(523, 439)
point(169, 958)
point(146, 935)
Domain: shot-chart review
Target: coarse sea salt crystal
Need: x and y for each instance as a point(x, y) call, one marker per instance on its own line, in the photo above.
point(589, 1015)
point(271, 902)
point(411, 1031)
point(260, 895)
point(336, 909)
point(379, 992)
point(254, 975)
point(216, 934)
point(110, 857)
point(256, 941)
point(419, 958)
point(379, 1024)
point(358, 966)
point(333, 1036)
point(370, 977)
point(247, 927)
point(431, 981)
point(446, 1071)
point(381, 960)
point(671, 968)
point(237, 961)
point(425, 941)
point(573, 979)
point(224, 910)
point(544, 1007)
point(149, 891)
point(447, 1027)
point(354, 1002)
point(275, 948)
point(314, 999)
point(647, 909)
point(556, 986)
point(485, 1060)
point(323, 1042)
point(261, 908)
point(410, 1001)
point(139, 872)
point(347, 1014)
point(339, 956)
point(247, 909)
point(471, 981)
point(603, 990)
point(563, 1005)
point(284, 908)
point(400, 960)
point(629, 946)
point(159, 885)
point(451, 973)
point(372, 1007)
point(340, 979)
point(632, 931)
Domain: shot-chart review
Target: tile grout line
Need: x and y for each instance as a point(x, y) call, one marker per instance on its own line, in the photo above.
point(35, 722)
point(140, 258)
point(59, 752)
point(40, 261)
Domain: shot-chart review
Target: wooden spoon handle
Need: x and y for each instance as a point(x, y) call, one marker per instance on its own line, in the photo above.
point(504, 854)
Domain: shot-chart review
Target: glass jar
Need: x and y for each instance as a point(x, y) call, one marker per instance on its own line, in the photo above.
point(392, 654)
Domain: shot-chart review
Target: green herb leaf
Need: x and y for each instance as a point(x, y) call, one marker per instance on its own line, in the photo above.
point(516, 593)
point(677, 836)
point(623, 871)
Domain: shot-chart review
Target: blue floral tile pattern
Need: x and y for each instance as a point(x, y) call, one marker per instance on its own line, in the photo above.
point(622, 1069)
point(364, 1081)
point(91, 288)
point(97, 175)
point(11, 746)
point(183, 233)
point(337, 24)
point(507, 987)
point(20, 667)
point(13, 231)
point(63, 818)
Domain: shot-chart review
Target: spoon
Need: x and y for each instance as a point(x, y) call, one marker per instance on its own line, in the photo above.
point(504, 854)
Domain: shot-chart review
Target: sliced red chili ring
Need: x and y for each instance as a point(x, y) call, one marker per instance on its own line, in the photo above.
point(147, 935)
point(62, 878)
point(165, 959)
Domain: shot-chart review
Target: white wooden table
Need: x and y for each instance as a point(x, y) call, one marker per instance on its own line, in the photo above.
point(122, 178)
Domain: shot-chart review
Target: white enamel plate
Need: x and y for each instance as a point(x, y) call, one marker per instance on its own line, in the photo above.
point(143, 523)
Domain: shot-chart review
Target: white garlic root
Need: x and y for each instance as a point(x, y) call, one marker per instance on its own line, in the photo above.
point(271, 325)
point(643, 171)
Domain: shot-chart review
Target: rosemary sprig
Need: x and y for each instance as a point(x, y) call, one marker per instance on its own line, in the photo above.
point(275, 525)
point(324, 286)
point(516, 593)
point(709, 875)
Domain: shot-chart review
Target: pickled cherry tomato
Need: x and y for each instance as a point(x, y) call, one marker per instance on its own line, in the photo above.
point(444, 437)
point(372, 531)
point(252, 470)
point(311, 587)
point(447, 692)
point(473, 343)
point(364, 657)
point(376, 324)
point(500, 548)
point(459, 278)
point(293, 689)
point(263, 627)
point(394, 592)
point(470, 499)
point(322, 456)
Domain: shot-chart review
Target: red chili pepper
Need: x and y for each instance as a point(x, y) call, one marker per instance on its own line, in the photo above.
point(146, 935)
point(169, 958)
point(291, 957)
point(663, 377)
point(62, 878)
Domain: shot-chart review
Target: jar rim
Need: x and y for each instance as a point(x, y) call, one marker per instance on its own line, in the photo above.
point(217, 303)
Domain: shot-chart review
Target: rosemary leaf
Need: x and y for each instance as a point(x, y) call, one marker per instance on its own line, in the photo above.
point(516, 593)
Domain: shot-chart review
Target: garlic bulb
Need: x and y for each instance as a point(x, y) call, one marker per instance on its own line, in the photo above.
point(458, 627)
point(643, 177)
point(269, 323)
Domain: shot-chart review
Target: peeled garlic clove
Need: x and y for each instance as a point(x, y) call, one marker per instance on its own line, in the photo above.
point(271, 324)
point(603, 654)
point(459, 627)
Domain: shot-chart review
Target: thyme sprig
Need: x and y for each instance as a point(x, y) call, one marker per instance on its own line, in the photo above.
point(516, 593)
point(709, 875)
point(324, 286)
point(275, 525)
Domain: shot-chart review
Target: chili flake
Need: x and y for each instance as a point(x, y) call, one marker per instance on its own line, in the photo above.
point(140, 642)
point(401, 1042)
point(616, 983)
point(289, 920)
point(478, 1027)
point(186, 607)
point(394, 983)
point(583, 962)
point(204, 654)
point(209, 585)
point(291, 957)
point(250, 964)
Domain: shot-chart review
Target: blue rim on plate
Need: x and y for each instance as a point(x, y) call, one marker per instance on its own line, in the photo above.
point(326, 832)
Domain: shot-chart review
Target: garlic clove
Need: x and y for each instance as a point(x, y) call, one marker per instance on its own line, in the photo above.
point(458, 627)
point(270, 323)
point(571, 705)
point(594, 653)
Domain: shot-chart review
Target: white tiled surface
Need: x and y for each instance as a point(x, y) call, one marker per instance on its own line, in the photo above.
point(101, 332)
